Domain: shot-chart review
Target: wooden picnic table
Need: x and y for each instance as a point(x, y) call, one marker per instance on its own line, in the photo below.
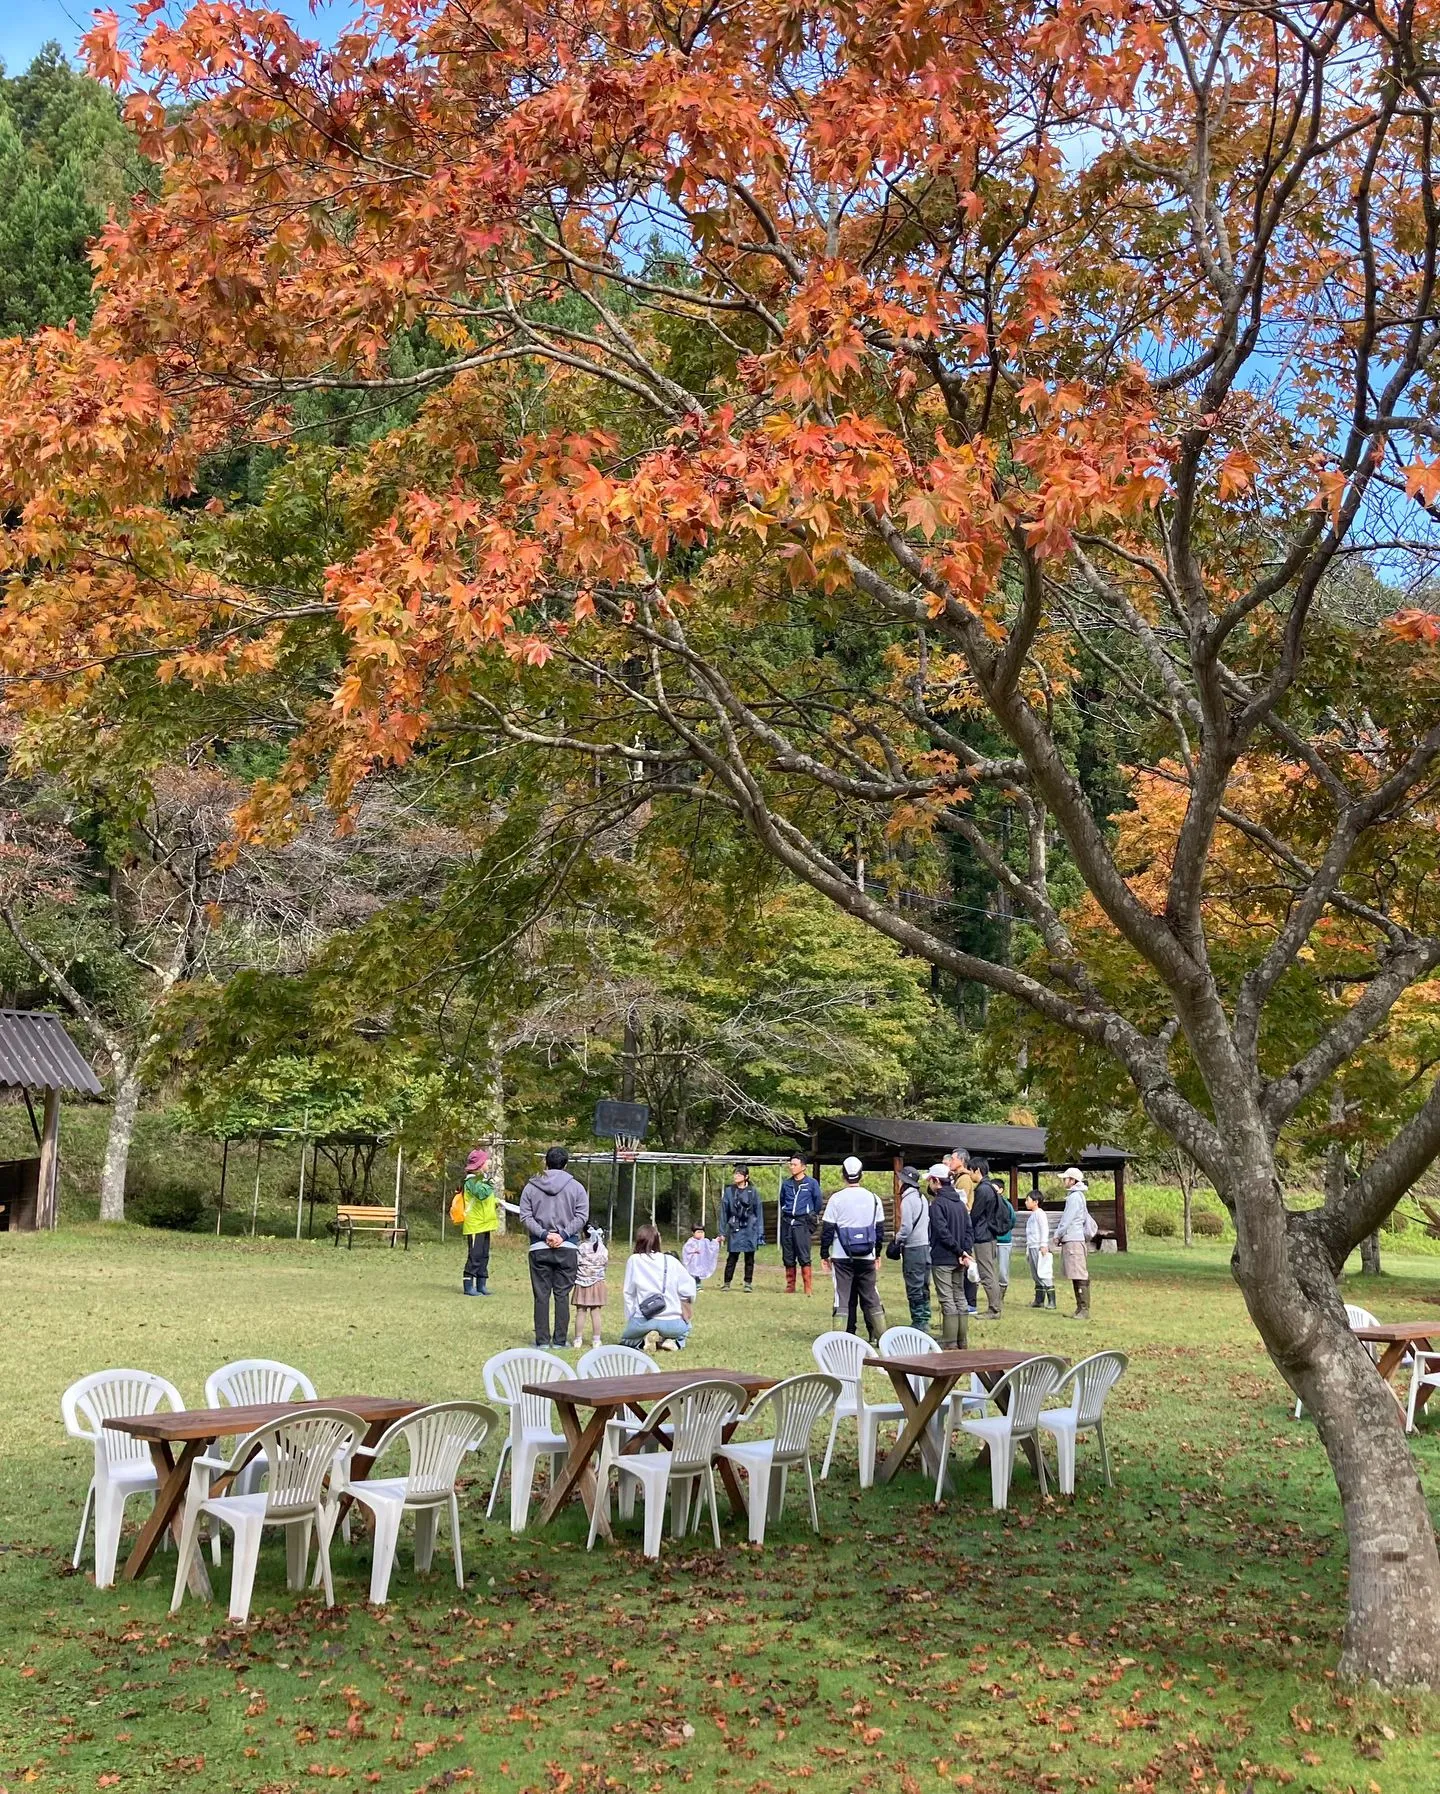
point(609, 1397)
point(195, 1430)
point(940, 1372)
point(1398, 1338)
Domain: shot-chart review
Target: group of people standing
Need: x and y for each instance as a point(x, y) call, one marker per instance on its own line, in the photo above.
point(568, 1259)
point(956, 1232)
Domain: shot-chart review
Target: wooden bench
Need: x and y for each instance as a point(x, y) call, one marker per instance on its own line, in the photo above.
point(353, 1217)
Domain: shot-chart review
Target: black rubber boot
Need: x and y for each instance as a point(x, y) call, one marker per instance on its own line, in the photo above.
point(482, 1287)
point(1050, 1296)
point(1039, 1301)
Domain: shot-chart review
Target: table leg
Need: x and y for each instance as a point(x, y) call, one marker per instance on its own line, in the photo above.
point(174, 1479)
point(919, 1411)
point(584, 1442)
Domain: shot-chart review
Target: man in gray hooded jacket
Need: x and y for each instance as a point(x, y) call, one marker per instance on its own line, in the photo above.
point(555, 1209)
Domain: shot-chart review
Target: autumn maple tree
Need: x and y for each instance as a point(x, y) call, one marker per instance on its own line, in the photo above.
point(1020, 339)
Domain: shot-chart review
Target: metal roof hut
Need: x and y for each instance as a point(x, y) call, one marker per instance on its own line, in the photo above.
point(36, 1054)
point(885, 1143)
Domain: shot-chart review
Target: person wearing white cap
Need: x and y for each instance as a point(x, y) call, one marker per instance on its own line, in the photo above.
point(952, 1245)
point(852, 1231)
point(1072, 1235)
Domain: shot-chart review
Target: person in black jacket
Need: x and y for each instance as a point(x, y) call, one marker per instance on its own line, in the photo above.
point(951, 1249)
point(987, 1219)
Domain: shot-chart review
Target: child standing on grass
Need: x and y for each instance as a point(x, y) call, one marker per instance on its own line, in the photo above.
point(589, 1297)
point(699, 1255)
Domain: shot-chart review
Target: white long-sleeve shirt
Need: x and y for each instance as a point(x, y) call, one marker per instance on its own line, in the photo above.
point(1037, 1230)
point(657, 1274)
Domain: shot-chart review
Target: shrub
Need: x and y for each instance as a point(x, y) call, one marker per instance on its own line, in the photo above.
point(1159, 1227)
point(161, 1199)
point(1206, 1223)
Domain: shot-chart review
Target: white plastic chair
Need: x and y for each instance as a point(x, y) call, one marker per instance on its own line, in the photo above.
point(615, 1361)
point(1356, 1316)
point(797, 1404)
point(247, 1383)
point(123, 1466)
point(438, 1438)
point(1424, 1374)
point(697, 1415)
point(303, 1454)
point(842, 1355)
point(532, 1434)
point(1087, 1385)
point(1023, 1390)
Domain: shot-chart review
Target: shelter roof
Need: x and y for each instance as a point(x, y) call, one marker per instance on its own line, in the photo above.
point(875, 1139)
point(37, 1054)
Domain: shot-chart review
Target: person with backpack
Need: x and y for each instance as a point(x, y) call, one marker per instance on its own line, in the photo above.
point(951, 1250)
point(478, 1217)
point(742, 1226)
point(1073, 1233)
point(990, 1216)
point(800, 1205)
point(852, 1233)
point(911, 1246)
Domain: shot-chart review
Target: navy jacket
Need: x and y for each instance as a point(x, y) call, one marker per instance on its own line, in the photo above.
point(800, 1196)
point(951, 1235)
point(742, 1220)
point(985, 1216)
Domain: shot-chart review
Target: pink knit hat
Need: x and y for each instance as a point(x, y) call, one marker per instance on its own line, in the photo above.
point(477, 1161)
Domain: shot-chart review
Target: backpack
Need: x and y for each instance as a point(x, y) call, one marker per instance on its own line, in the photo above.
point(1006, 1215)
point(457, 1207)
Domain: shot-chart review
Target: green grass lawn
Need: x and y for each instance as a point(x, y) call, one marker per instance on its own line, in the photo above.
point(1177, 1632)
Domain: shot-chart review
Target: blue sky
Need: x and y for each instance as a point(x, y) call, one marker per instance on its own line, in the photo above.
point(27, 24)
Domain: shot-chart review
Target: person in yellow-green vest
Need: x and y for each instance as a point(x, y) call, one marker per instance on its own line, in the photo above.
point(482, 1215)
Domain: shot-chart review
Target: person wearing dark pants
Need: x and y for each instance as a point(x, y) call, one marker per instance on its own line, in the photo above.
point(987, 1221)
point(951, 1249)
point(913, 1239)
point(742, 1226)
point(555, 1209)
point(800, 1205)
point(852, 1232)
point(480, 1215)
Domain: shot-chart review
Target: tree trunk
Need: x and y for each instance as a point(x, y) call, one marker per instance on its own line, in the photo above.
point(117, 1143)
point(1392, 1632)
point(1370, 1255)
point(1187, 1199)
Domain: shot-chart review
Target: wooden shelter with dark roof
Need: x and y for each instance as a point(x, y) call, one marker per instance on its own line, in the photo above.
point(887, 1143)
point(37, 1055)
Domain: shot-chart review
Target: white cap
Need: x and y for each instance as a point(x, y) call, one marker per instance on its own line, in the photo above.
point(941, 1173)
point(1072, 1175)
point(853, 1169)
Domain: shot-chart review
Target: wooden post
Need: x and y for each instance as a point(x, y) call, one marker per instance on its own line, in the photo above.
point(47, 1206)
point(255, 1200)
point(1015, 1188)
point(1122, 1237)
point(300, 1199)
